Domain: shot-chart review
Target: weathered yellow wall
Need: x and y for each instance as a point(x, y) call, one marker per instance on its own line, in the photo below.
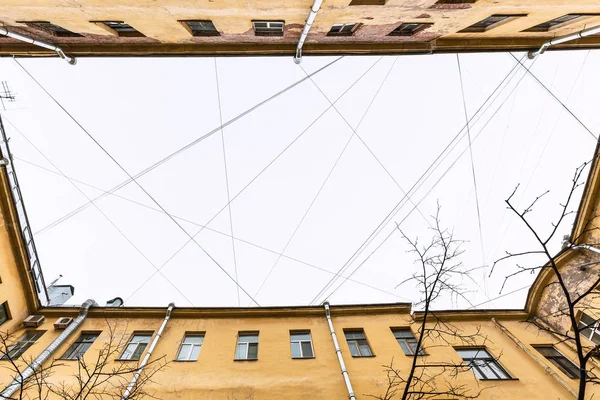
point(276, 376)
point(232, 18)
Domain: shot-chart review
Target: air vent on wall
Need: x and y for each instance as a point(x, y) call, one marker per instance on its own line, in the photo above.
point(62, 323)
point(33, 321)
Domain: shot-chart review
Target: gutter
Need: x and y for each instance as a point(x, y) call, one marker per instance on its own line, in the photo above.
point(563, 39)
point(48, 351)
point(547, 369)
point(307, 25)
point(131, 385)
point(70, 59)
point(338, 352)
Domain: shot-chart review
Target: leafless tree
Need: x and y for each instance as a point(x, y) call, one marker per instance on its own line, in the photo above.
point(440, 275)
point(573, 286)
point(94, 375)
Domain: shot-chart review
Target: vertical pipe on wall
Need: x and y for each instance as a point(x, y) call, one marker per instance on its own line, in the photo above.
point(309, 21)
point(131, 385)
point(338, 352)
point(48, 351)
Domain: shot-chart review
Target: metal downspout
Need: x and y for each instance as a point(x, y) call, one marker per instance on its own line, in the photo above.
point(593, 249)
point(563, 39)
point(309, 21)
point(339, 353)
point(70, 59)
point(148, 353)
point(29, 371)
point(535, 358)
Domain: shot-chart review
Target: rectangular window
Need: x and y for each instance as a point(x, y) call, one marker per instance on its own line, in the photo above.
point(79, 348)
point(4, 315)
point(201, 27)
point(589, 328)
point(190, 347)
point(268, 28)
point(407, 341)
point(557, 22)
point(357, 342)
point(368, 2)
point(301, 344)
point(409, 29)
point(247, 346)
point(490, 22)
point(559, 360)
point(136, 346)
point(482, 363)
point(123, 29)
point(16, 349)
point(51, 28)
point(342, 30)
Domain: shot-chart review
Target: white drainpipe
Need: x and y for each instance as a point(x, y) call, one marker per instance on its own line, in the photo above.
point(351, 395)
point(309, 21)
point(16, 383)
point(70, 59)
point(584, 246)
point(563, 39)
point(148, 353)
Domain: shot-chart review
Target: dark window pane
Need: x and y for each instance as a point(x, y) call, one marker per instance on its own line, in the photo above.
point(138, 351)
point(252, 351)
point(306, 349)
point(353, 349)
point(3, 313)
point(365, 350)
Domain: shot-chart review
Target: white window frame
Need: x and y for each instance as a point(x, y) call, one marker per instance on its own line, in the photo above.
point(137, 344)
point(300, 341)
point(410, 342)
point(272, 26)
point(242, 341)
point(80, 346)
point(192, 346)
point(594, 328)
point(483, 358)
point(340, 31)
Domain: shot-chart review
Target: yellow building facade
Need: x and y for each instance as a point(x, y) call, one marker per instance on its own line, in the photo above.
point(272, 353)
point(274, 27)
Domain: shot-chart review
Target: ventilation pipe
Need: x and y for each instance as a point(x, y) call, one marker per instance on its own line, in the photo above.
point(563, 39)
point(566, 243)
point(309, 21)
point(148, 353)
point(16, 383)
point(339, 353)
point(70, 59)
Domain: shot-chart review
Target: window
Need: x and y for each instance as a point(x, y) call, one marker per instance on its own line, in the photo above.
point(4, 315)
point(247, 346)
point(342, 29)
point(201, 28)
point(491, 22)
point(136, 346)
point(368, 2)
point(301, 345)
point(559, 360)
point(409, 29)
point(589, 328)
point(123, 29)
point(482, 363)
point(50, 27)
point(357, 342)
point(268, 28)
point(190, 347)
point(79, 348)
point(556, 22)
point(407, 341)
point(15, 350)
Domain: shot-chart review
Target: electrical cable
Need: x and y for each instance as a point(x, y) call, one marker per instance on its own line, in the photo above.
point(97, 208)
point(556, 98)
point(397, 207)
point(464, 101)
point(140, 186)
point(182, 149)
point(227, 179)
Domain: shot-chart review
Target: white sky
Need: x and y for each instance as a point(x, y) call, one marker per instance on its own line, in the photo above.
point(143, 109)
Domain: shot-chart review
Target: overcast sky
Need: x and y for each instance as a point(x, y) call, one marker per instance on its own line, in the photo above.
point(303, 183)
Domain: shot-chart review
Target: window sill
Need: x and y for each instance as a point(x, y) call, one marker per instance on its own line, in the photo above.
point(507, 379)
point(245, 359)
point(371, 356)
point(303, 358)
point(184, 361)
point(125, 359)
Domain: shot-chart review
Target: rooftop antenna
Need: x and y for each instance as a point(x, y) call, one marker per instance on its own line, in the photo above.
point(6, 94)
